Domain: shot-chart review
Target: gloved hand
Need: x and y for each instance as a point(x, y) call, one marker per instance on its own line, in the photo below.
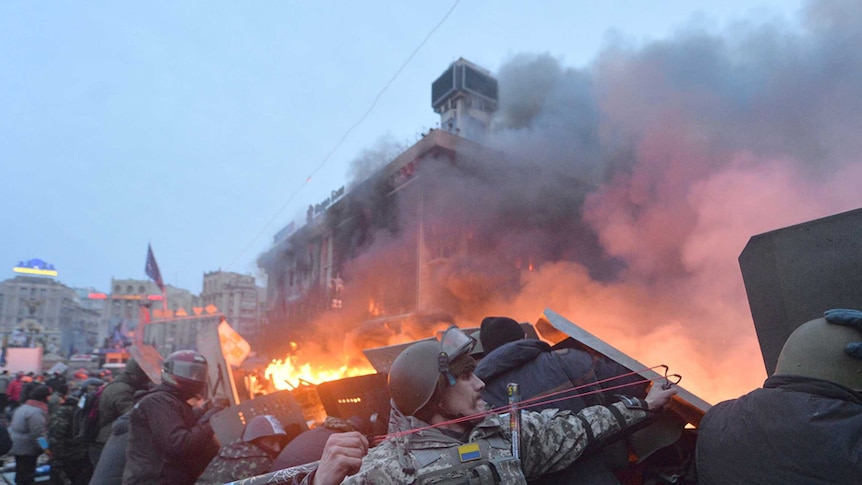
point(848, 318)
point(211, 407)
point(205, 418)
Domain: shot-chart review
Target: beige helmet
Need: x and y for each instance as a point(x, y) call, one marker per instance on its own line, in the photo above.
point(415, 373)
point(816, 349)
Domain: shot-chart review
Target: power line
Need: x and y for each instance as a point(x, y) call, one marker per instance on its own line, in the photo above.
point(345, 135)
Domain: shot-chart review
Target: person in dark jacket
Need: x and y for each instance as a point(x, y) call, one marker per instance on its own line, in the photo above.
point(69, 463)
point(167, 441)
point(308, 446)
point(29, 423)
point(804, 426)
point(112, 462)
point(539, 370)
point(250, 455)
point(117, 397)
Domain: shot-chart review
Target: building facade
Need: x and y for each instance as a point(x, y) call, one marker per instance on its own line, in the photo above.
point(40, 311)
point(237, 296)
point(418, 241)
point(133, 301)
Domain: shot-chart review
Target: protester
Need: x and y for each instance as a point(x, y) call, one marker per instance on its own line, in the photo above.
point(116, 398)
point(250, 455)
point(167, 441)
point(5, 379)
point(14, 390)
point(29, 423)
point(69, 463)
point(57, 397)
point(29, 383)
point(434, 390)
point(112, 461)
point(538, 370)
point(55, 380)
point(308, 446)
point(803, 426)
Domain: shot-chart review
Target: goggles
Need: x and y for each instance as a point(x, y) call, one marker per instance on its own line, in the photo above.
point(453, 344)
point(194, 371)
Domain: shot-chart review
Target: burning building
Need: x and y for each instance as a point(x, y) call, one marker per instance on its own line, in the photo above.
point(415, 245)
point(620, 194)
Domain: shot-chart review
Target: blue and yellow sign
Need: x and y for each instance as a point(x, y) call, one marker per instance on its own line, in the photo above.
point(469, 452)
point(35, 267)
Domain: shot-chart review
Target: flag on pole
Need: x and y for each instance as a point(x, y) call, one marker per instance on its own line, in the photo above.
point(152, 269)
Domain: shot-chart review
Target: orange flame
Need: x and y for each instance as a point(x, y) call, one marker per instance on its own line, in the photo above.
point(291, 372)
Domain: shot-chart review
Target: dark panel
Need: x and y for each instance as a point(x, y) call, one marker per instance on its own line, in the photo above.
point(443, 86)
point(363, 397)
point(480, 83)
point(230, 423)
point(793, 274)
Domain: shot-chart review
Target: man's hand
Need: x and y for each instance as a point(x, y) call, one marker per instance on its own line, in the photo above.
point(342, 457)
point(848, 318)
point(659, 397)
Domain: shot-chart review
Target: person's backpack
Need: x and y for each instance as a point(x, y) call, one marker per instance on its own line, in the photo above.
point(86, 421)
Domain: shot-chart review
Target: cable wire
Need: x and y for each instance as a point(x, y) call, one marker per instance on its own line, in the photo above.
point(346, 134)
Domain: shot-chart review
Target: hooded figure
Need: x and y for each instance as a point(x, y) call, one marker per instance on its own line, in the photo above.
point(117, 397)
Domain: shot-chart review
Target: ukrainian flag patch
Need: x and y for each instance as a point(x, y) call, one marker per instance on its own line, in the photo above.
point(469, 452)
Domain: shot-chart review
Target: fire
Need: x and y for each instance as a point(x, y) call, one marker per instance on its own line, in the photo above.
point(292, 372)
point(374, 308)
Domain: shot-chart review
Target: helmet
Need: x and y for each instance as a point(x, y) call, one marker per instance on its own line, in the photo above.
point(415, 373)
point(185, 371)
point(135, 372)
point(262, 426)
point(816, 349)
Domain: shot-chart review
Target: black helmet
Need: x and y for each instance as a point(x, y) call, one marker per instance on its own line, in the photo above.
point(185, 371)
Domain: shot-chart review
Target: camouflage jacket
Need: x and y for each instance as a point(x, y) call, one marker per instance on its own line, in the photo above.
point(551, 440)
point(61, 433)
point(235, 461)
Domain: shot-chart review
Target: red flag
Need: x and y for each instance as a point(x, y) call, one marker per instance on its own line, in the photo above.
point(152, 269)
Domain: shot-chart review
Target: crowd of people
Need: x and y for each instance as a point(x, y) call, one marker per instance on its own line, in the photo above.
point(803, 426)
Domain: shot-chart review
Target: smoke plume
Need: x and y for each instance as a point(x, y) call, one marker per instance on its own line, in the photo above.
point(623, 193)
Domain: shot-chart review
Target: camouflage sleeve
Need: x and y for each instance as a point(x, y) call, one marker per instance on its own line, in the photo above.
point(298, 475)
point(553, 439)
point(381, 466)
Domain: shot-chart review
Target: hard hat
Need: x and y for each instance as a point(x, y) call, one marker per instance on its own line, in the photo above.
point(415, 373)
point(185, 371)
point(262, 426)
point(816, 349)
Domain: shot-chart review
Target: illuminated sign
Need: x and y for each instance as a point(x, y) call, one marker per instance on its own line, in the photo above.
point(97, 296)
point(136, 297)
point(35, 267)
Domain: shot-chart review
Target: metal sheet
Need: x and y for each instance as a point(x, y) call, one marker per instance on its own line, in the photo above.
point(381, 358)
point(230, 423)
point(556, 329)
point(364, 397)
point(150, 361)
point(792, 275)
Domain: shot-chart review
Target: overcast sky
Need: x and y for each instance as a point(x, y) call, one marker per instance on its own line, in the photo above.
point(205, 127)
